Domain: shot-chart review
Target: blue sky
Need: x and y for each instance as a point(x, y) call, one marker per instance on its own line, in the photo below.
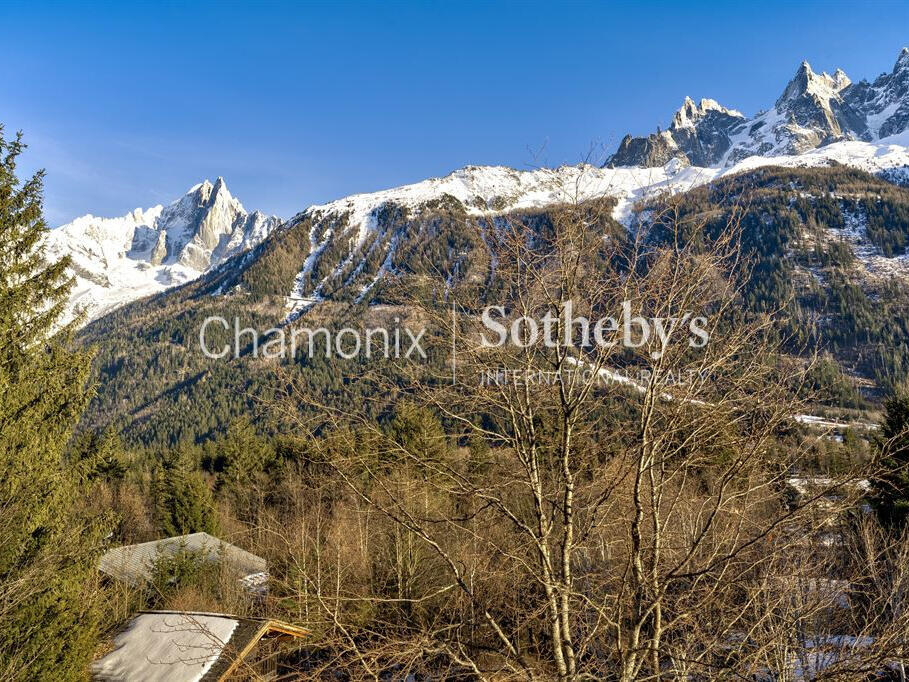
point(296, 103)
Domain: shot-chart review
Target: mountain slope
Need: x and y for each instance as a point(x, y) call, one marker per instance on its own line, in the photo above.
point(117, 260)
point(343, 250)
point(831, 236)
point(813, 110)
point(827, 197)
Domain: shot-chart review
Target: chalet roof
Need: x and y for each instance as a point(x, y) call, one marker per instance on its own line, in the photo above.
point(182, 646)
point(135, 563)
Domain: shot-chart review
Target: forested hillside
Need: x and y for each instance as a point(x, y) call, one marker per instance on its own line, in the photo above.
point(825, 243)
point(830, 243)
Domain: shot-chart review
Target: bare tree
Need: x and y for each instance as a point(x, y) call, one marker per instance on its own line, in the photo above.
point(614, 504)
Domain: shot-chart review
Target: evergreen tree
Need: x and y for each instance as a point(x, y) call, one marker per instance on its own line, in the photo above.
point(891, 488)
point(183, 500)
point(99, 455)
point(48, 553)
point(419, 432)
point(244, 454)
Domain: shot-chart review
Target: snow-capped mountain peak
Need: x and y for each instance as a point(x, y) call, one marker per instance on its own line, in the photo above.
point(698, 134)
point(117, 260)
point(885, 102)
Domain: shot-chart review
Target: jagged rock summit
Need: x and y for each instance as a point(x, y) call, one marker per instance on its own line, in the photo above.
point(117, 260)
point(813, 110)
point(885, 102)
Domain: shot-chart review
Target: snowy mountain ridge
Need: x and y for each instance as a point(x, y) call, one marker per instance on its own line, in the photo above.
point(351, 232)
point(118, 260)
point(813, 110)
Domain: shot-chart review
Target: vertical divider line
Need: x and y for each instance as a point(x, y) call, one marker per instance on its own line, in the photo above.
point(453, 347)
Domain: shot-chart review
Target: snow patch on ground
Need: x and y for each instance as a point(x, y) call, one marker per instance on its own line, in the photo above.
point(874, 263)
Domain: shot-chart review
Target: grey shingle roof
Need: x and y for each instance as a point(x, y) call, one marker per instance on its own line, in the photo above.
point(134, 563)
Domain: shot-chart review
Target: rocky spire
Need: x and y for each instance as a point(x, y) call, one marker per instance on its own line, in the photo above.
point(690, 113)
point(902, 61)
